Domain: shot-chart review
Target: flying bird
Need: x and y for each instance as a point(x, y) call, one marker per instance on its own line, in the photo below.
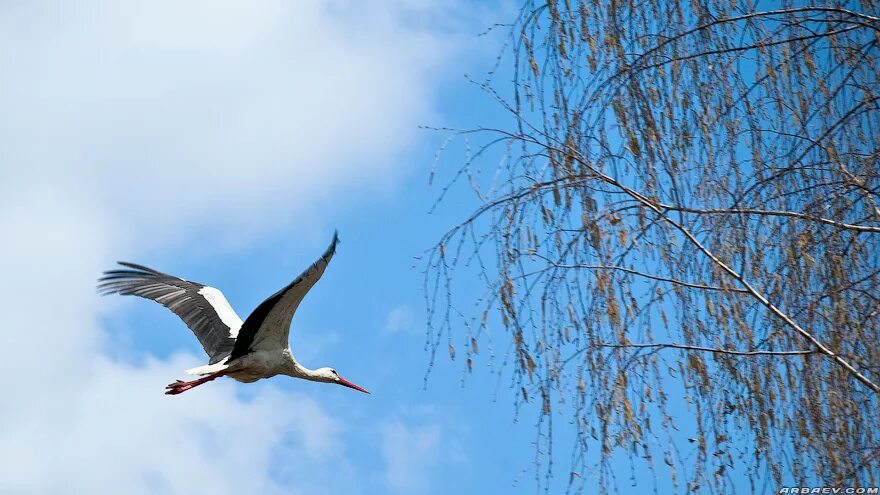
point(246, 351)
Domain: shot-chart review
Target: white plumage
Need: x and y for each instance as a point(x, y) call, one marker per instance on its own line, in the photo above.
point(227, 315)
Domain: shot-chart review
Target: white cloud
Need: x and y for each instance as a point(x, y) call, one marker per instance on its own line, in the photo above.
point(414, 452)
point(77, 422)
point(400, 319)
point(221, 111)
point(114, 435)
point(131, 127)
point(410, 454)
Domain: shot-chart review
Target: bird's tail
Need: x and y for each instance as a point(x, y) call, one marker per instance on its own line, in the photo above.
point(207, 369)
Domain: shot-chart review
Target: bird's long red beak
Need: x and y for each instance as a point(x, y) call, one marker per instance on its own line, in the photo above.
point(343, 381)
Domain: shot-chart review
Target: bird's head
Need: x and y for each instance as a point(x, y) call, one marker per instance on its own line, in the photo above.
point(330, 375)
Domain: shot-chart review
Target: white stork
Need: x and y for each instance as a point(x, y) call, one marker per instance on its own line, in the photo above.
point(246, 351)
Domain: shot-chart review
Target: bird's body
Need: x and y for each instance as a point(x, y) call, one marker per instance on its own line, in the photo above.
point(262, 364)
point(247, 350)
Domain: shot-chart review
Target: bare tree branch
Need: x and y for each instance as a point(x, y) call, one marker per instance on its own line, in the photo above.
point(662, 161)
point(793, 214)
point(708, 349)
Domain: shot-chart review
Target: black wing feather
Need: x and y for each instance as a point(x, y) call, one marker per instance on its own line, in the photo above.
point(251, 326)
point(180, 296)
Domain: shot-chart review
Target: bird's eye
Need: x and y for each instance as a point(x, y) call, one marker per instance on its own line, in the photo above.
point(334, 372)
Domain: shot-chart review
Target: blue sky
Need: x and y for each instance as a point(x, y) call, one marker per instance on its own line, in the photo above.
point(224, 142)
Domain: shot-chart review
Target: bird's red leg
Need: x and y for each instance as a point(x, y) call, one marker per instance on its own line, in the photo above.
point(181, 386)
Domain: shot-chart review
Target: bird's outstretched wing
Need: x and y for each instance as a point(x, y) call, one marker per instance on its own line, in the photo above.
point(269, 325)
point(204, 309)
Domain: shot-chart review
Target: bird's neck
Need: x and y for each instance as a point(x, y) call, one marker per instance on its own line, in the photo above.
point(300, 371)
point(297, 370)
